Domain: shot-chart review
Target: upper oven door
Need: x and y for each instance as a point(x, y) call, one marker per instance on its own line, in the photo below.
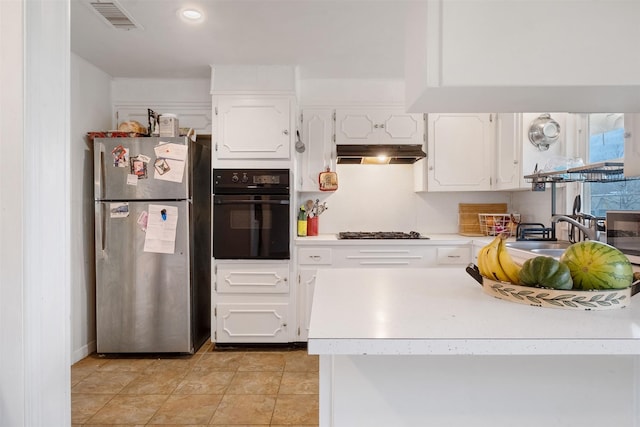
point(251, 226)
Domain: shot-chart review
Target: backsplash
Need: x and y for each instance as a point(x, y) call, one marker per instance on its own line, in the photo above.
point(374, 198)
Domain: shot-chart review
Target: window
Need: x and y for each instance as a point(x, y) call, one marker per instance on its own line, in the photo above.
point(606, 143)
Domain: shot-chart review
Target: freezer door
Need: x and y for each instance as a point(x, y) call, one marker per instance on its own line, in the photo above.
point(142, 298)
point(125, 169)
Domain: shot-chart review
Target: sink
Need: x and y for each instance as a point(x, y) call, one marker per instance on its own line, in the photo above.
point(554, 248)
point(554, 253)
point(539, 245)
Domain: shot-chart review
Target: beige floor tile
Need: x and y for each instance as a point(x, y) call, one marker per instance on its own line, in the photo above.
point(262, 361)
point(260, 382)
point(299, 383)
point(84, 406)
point(104, 382)
point(296, 409)
point(301, 361)
point(244, 409)
point(204, 382)
point(160, 365)
point(128, 409)
point(126, 364)
point(187, 409)
point(221, 361)
point(159, 382)
point(83, 368)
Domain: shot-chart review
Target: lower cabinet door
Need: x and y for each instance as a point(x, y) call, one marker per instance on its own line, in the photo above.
point(252, 323)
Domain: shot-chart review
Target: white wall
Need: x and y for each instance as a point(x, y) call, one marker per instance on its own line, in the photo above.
point(381, 198)
point(90, 111)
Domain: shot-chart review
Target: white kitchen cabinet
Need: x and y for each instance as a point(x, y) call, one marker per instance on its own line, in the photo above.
point(632, 145)
point(311, 259)
point(253, 127)
point(516, 156)
point(378, 126)
point(251, 302)
point(503, 56)
point(252, 322)
point(459, 152)
point(508, 151)
point(319, 154)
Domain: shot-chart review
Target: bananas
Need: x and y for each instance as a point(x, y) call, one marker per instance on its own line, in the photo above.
point(495, 262)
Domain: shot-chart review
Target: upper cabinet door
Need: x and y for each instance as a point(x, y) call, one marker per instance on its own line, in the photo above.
point(508, 149)
point(253, 127)
point(378, 126)
point(460, 148)
point(318, 154)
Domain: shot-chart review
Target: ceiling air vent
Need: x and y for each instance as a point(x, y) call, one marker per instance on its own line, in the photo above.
point(114, 15)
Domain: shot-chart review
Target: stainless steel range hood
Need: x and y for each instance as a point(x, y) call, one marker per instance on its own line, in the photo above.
point(379, 154)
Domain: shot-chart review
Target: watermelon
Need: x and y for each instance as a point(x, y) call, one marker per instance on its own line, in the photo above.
point(595, 266)
point(546, 272)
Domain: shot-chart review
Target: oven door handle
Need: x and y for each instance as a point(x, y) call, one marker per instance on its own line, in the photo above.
point(250, 202)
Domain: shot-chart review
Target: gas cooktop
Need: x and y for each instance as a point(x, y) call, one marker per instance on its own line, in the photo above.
point(379, 235)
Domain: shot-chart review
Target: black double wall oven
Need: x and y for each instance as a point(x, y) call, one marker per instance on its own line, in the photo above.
point(251, 210)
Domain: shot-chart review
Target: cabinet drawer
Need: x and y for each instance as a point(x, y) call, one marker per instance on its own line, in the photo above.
point(385, 257)
point(314, 256)
point(252, 278)
point(454, 256)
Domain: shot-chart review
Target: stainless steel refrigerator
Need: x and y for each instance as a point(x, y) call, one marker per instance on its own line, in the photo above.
point(153, 244)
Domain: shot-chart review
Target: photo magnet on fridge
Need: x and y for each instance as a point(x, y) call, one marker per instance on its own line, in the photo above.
point(139, 168)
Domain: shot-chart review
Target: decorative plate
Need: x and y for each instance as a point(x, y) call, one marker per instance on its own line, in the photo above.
point(570, 299)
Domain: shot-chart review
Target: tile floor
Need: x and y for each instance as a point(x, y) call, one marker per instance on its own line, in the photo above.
point(212, 387)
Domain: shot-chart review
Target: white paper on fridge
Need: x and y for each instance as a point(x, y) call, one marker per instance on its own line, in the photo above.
point(162, 224)
point(170, 163)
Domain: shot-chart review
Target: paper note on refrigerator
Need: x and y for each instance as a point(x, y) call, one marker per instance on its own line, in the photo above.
point(170, 162)
point(162, 223)
point(169, 150)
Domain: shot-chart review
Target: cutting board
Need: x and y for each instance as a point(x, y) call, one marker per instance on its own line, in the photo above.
point(468, 222)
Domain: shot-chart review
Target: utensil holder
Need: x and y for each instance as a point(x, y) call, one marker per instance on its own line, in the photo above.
point(312, 226)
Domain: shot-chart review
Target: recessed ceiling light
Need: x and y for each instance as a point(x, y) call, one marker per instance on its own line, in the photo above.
point(191, 14)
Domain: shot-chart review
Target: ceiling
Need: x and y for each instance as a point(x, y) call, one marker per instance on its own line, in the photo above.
point(326, 39)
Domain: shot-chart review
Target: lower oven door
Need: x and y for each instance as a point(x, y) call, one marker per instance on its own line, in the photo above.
point(251, 226)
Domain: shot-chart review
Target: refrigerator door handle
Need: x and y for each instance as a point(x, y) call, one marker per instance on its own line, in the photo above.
point(99, 172)
point(100, 225)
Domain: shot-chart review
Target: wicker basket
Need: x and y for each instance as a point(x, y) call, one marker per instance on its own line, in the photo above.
point(492, 224)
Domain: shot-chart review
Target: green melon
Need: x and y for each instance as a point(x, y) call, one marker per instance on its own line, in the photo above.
point(546, 272)
point(595, 265)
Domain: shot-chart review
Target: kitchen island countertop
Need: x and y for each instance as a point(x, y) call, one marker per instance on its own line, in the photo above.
point(434, 311)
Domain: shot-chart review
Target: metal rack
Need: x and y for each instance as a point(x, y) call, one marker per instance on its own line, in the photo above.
point(596, 172)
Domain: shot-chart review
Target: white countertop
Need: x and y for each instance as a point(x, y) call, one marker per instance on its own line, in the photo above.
point(433, 240)
point(445, 311)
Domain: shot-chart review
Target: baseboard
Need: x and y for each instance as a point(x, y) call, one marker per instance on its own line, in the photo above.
point(82, 352)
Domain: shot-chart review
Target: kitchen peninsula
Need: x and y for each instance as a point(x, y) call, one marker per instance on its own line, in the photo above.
point(426, 347)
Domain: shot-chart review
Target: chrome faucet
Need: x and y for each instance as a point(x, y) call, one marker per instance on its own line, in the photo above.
point(592, 232)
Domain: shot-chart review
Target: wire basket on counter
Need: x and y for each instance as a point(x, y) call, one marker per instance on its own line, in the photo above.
point(494, 224)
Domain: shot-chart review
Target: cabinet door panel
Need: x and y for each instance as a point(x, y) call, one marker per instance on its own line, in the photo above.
point(253, 128)
point(402, 128)
point(244, 278)
point(355, 127)
point(508, 152)
point(317, 135)
point(460, 150)
point(251, 322)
